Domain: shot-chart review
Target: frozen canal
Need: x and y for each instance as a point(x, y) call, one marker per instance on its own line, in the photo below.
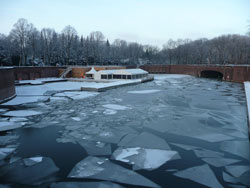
point(177, 131)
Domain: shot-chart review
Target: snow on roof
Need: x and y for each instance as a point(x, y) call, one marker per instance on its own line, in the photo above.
point(107, 71)
point(92, 71)
point(123, 71)
point(131, 71)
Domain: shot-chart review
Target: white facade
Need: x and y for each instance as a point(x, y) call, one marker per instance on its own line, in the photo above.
point(120, 74)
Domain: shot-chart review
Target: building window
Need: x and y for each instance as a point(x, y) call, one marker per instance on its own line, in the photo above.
point(110, 76)
point(103, 76)
point(123, 76)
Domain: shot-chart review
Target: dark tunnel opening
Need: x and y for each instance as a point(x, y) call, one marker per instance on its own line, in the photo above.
point(212, 74)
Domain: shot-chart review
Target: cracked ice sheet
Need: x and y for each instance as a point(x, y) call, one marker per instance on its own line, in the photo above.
point(103, 169)
point(85, 184)
point(220, 162)
point(144, 140)
point(200, 174)
point(144, 91)
point(26, 99)
point(22, 113)
point(116, 107)
point(239, 148)
point(142, 158)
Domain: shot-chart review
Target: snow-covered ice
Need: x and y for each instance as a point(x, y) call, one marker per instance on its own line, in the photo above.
point(116, 107)
point(200, 174)
point(144, 91)
point(142, 158)
point(104, 169)
point(22, 113)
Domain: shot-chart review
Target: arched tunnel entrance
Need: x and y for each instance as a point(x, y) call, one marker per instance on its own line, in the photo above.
point(211, 74)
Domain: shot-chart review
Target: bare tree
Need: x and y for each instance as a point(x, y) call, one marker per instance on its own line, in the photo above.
point(69, 34)
point(20, 33)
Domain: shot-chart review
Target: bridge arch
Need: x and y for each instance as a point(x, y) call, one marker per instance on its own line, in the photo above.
point(211, 74)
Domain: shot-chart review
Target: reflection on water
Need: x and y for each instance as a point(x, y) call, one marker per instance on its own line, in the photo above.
point(203, 121)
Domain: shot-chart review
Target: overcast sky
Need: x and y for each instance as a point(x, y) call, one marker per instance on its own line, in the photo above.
point(144, 21)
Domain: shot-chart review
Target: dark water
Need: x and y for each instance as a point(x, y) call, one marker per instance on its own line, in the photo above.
point(182, 109)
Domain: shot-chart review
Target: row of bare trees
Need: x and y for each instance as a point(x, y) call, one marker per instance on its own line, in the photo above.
point(25, 45)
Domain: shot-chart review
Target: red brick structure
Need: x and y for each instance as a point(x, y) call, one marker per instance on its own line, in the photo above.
point(229, 73)
point(7, 85)
point(31, 73)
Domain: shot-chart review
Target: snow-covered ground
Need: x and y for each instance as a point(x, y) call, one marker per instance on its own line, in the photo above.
point(40, 81)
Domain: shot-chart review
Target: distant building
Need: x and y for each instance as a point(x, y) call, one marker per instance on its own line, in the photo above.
point(116, 74)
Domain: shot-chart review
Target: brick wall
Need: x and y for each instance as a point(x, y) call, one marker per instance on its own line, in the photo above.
point(7, 85)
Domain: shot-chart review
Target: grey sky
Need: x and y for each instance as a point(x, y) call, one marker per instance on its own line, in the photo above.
point(144, 21)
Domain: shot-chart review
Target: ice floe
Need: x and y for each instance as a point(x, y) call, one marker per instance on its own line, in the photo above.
point(5, 152)
point(144, 140)
point(109, 112)
point(214, 137)
point(228, 178)
point(200, 174)
point(76, 118)
point(142, 158)
point(96, 148)
point(85, 184)
point(26, 99)
point(116, 107)
point(32, 161)
point(237, 170)
point(76, 95)
point(103, 169)
point(185, 147)
point(8, 125)
point(22, 113)
point(4, 140)
point(35, 174)
point(237, 147)
point(207, 153)
point(144, 91)
point(2, 110)
point(220, 162)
